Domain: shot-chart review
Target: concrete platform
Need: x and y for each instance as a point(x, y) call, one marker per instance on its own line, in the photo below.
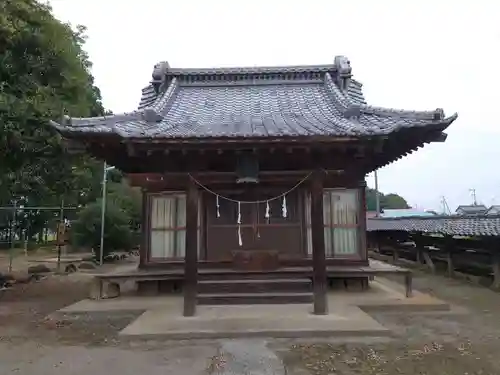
point(382, 295)
point(254, 321)
point(348, 315)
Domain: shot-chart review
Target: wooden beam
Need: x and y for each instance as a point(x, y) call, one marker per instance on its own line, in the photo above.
point(191, 253)
point(318, 245)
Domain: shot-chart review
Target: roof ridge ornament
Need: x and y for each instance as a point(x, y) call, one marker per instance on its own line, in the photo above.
point(66, 120)
point(352, 111)
point(439, 114)
point(151, 115)
point(344, 71)
point(160, 75)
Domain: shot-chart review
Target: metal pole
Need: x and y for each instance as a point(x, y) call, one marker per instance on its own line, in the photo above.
point(13, 236)
point(377, 196)
point(103, 213)
point(59, 235)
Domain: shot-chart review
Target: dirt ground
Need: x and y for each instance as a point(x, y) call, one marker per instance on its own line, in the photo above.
point(433, 343)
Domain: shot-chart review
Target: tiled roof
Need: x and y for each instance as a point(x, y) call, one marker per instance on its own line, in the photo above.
point(447, 225)
point(297, 101)
point(493, 210)
point(473, 209)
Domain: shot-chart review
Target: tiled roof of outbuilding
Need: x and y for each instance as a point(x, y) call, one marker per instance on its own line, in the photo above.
point(446, 225)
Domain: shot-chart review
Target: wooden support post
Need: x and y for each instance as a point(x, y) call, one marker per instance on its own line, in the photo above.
point(395, 252)
point(145, 245)
point(428, 260)
point(495, 265)
point(449, 261)
point(419, 255)
point(191, 257)
point(408, 284)
point(318, 245)
point(362, 247)
point(448, 248)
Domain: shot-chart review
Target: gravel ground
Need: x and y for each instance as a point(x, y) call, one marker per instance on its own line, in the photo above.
point(465, 342)
point(435, 343)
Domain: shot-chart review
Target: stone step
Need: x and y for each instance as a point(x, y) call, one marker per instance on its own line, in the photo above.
point(254, 286)
point(254, 298)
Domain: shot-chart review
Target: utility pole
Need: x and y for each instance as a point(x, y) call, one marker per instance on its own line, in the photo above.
point(473, 193)
point(446, 208)
point(13, 229)
point(60, 235)
point(105, 169)
point(377, 195)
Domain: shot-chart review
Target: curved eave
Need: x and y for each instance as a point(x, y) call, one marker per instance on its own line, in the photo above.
point(108, 130)
point(354, 110)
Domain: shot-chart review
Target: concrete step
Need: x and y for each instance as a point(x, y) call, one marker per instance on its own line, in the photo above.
point(254, 298)
point(254, 286)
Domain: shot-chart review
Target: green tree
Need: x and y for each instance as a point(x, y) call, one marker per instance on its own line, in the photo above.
point(394, 201)
point(44, 73)
point(389, 201)
point(86, 230)
point(122, 220)
point(129, 199)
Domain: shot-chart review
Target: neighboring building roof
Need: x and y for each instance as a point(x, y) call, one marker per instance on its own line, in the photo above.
point(447, 225)
point(493, 210)
point(477, 209)
point(405, 212)
point(260, 102)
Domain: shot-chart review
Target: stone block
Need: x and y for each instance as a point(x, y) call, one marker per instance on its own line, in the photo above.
point(39, 268)
point(104, 289)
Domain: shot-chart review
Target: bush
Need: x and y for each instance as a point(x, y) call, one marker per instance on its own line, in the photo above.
point(129, 199)
point(118, 235)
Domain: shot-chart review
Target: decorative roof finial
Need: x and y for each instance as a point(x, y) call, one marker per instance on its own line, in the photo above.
point(151, 115)
point(66, 120)
point(344, 71)
point(159, 72)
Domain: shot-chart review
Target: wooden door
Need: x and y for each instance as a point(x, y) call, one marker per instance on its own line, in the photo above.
point(261, 238)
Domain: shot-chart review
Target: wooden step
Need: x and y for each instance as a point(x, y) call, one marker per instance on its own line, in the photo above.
point(252, 275)
point(254, 286)
point(254, 298)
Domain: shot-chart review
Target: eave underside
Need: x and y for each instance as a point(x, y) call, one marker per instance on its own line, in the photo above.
point(349, 155)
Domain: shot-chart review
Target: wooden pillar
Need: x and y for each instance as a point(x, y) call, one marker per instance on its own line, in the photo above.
point(145, 244)
point(449, 262)
point(395, 251)
point(448, 248)
point(191, 257)
point(495, 265)
point(318, 245)
point(362, 248)
point(428, 260)
point(419, 255)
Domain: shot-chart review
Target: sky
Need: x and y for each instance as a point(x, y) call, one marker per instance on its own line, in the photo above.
point(411, 54)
